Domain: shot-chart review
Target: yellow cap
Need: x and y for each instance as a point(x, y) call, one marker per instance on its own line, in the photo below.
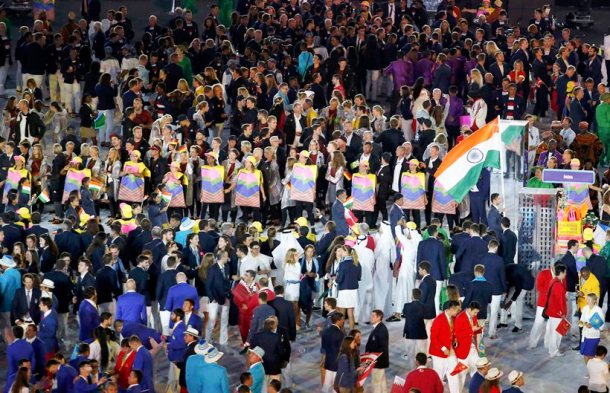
point(77, 160)
point(411, 225)
point(84, 218)
point(301, 221)
point(126, 211)
point(258, 226)
point(304, 153)
point(414, 161)
point(252, 160)
point(136, 153)
point(24, 213)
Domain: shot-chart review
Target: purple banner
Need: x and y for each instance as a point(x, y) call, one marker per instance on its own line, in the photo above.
point(568, 176)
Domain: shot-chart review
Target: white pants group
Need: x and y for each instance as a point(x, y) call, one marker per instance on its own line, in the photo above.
point(329, 381)
point(379, 383)
point(444, 367)
point(516, 311)
point(56, 82)
point(493, 314)
point(552, 337)
point(372, 84)
point(538, 329)
point(108, 128)
point(213, 309)
point(413, 347)
point(39, 79)
point(71, 96)
point(437, 297)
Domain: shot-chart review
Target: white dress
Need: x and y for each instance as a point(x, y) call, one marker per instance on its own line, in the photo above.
point(292, 281)
point(408, 269)
point(385, 254)
point(366, 258)
point(287, 241)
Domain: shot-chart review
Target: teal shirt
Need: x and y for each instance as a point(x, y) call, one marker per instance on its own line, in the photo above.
point(258, 376)
point(202, 377)
point(10, 281)
point(605, 252)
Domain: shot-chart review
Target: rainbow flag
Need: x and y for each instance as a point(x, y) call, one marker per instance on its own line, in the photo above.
point(303, 181)
point(212, 184)
point(442, 202)
point(166, 196)
point(363, 192)
point(26, 188)
point(95, 185)
point(412, 187)
point(12, 182)
point(247, 189)
point(44, 196)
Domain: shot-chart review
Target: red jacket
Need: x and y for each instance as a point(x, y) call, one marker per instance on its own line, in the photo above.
point(441, 336)
point(123, 366)
point(464, 333)
point(243, 295)
point(557, 306)
point(542, 286)
point(425, 379)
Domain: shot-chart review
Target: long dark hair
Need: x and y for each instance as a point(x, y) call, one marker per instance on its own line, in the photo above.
point(346, 348)
point(100, 334)
point(51, 244)
point(99, 240)
point(21, 380)
point(487, 385)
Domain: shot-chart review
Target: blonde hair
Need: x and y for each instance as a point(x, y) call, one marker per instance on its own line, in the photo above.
point(291, 256)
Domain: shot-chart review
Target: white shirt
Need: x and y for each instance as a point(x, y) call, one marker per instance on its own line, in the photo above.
point(23, 119)
point(586, 314)
point(533, 138)
point(598, 374)
point(397, 173)
point(251, 262)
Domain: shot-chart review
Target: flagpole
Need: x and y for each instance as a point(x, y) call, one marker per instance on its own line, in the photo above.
point(502, 151)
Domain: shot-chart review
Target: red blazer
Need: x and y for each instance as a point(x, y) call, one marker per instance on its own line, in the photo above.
point(542, 286)
point(557, 306)
point(441, 336)
point(464, 333)
point(425, 379)
point(123, 366)
point(242, 295)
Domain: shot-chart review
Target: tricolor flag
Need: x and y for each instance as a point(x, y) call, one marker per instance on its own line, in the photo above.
point(100, 120)
point(183, 149)
point(95, 185)
point(462, 166)
point(347, 175)
point(511, 133)
point(350, 218)
point(44, 196)
point(26, 188)
point(349, 202)
point(599, 234)
point(166, 196)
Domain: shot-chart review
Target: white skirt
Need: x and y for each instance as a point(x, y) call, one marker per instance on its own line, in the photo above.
point(347, 298)
point(292, 292)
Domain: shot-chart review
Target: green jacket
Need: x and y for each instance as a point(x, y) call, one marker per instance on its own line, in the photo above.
point(602, 116)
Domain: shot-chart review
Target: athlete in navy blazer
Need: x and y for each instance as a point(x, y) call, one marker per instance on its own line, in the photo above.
point(88, 315)
point(479, 290)
point(143, 361)
point(470, 252)
point(433, 251)
point(427, 286)
point(20, 306)
point(495, 272)
point(338, 216)
point(65, 379)
point(131, 306)
point(415, 327)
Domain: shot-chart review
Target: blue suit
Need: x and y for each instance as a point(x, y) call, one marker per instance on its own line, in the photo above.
point(74, 363)
point(19, 349)
point(39, 354)
point(475, 383)
point(479, 198)
point(176, 345)
point(218, 283)
point(194, 321)
point(433, 251)
point(478, 290)
point(65, 379)
point(494, 216)
point(338, 216)
point(427, 286)
point(47, 332)
point(82, 385)
point(396, 213)
point(495, 272)
point(142, 331)
point(572, 274)
point(89, 319)
point(144, 362)
point(134, 389)
point(131, 307)
point(205, 377)
point(261, 313)
point(512, 389)
point(178, 293)
point(469, 254)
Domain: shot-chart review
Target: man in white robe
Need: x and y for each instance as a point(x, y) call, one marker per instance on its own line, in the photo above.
point(366, 259)
point(287, 241)
point(385, 256)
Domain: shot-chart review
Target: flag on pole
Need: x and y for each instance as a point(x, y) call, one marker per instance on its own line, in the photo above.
point(44, 196)
point(183, 149)
point(95, 185)
point(367, 363)
point(166, 196)
point(26, 188)
point(349, 202)
point(511, 133)
point(347, 175)
point(100, 120)
point(462, 166)
point(459, 367)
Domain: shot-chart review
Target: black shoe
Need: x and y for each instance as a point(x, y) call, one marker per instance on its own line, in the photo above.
point(516, 330)
point(393, 318)
point(502, 325)
point(316, 308)
point(577, 348)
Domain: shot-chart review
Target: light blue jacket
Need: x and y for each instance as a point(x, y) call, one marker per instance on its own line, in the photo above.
point(202, 377)
point(10, 281)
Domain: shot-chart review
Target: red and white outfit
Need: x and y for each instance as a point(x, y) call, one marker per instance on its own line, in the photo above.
point(467, 331)
point(441, 340)
point(542, 287)
point(557, 308)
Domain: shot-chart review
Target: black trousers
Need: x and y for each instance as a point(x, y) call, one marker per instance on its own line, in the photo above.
point(308, 207)
point(251, 212)
point(413, 215)
point(213, 209)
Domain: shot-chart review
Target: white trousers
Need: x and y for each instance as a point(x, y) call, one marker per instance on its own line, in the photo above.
point(71, 96)
point(213, 308)
point(553, 338)
point(572, 308)
point(155, 319)
point(107, 307)
point(329, 381)
point(379, 383)
point(108, 128)
point(493, 314)
point(413, 347)
point(287, 376)
point(437, 297)
point(173, 378)
point(516, 311)
point(538, 329)
point(471, 360)
point(165, 319)
point(365, 305)
point(407, 129)
point(444, 367)
point(62, 322)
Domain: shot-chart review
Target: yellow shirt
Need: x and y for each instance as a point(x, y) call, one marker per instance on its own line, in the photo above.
point(591, 285)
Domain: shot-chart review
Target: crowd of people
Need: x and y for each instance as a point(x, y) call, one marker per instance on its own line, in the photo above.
point(275, 160)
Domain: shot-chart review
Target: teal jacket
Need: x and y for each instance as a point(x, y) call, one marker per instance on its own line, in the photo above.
point(10, 281)
point(202, 377)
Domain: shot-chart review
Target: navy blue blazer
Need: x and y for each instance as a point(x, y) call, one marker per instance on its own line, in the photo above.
point(271, 343)
point(478, 291)
point(433, 251)
point(396, 213)
point(107, 285)
point(140, 276)
point(144, 362)
point(495, 272)
point(89, 319)
point(261, 313)
point(65, 379)
point(69, 241)
point(461, 281)
point(415, 328)
point(332, 337)
point(131, 307)
point(338, 216)
point(494, 216)
point(82, 385)
point(598, 267)
point(348, 274)
point(134, 389)
point(164, 283)
point(208, 241)
point(13, 234)
point(40, 356)
point(20, 306)
point(469, 254)
point(285, 315)
point(508, 246)
point(37, 230)
point(64, 290)
point(218, 283)
point(572, 274)
point(379, 341)
point(47, 332)
point(519, 278)
point(19, 349)
point(194, 321)
point(427, 286)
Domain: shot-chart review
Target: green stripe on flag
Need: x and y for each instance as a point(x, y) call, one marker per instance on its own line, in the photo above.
point(512, 136)
point(461, 189)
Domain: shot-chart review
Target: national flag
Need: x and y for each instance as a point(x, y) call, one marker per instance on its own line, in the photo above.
point(347, 175)
point(461, 168)
point(166, 196)
point(44, 196)
point(183, 149)
point(511, 133)
point(26, 188)
point(398, 384)
point(100, 120)
point(350, 218)
point(459, 367)
point(596, 321)
point(349, 202)
point(95, 185)
point(599, 235)
point(367, 363)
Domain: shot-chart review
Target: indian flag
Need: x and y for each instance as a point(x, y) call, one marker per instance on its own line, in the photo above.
point(26, 188)
point(95, 185)
point(349, 202)
point(511, 133)
point(461, 168)
point(166, 196)
point(44, 196)
point(100, 120)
